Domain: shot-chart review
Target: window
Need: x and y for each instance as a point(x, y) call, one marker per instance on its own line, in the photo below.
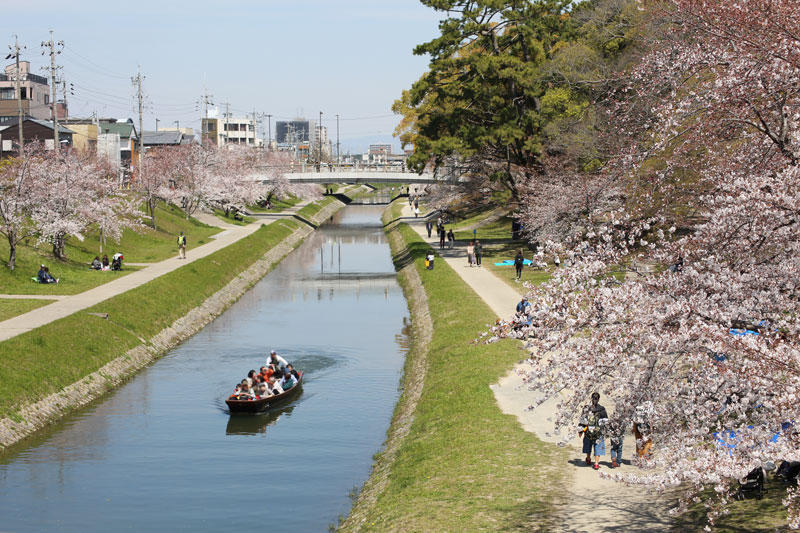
point(7, 93)
point(212, 126)
point(47, 99)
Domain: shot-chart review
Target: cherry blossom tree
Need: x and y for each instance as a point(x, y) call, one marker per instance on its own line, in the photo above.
point(81, 193)
point(712, 190)
point(21, 185)
point(152, 181)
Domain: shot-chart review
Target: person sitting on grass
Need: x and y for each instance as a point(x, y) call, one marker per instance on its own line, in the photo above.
point(44, 275)
point(96, 264)
point(116, 261)
point(524, 306)
point(105, 263)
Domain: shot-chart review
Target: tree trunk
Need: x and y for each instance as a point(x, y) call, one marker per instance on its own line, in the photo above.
point(12, 256)
point(59, 241)
point(151, 205)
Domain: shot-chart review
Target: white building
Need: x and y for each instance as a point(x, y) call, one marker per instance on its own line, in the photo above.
point(224, 130)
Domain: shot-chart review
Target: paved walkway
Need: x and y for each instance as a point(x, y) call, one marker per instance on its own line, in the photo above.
point(592, 504)
point(32, 296)
point(70, 304)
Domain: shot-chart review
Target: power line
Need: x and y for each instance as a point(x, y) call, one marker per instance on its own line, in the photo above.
point(102, 69)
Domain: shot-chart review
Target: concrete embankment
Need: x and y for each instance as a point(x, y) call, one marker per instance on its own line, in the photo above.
point(35, 416)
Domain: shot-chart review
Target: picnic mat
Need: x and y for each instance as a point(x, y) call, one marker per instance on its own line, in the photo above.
point(509, 262)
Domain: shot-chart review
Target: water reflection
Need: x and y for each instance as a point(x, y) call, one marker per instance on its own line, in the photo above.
point(244, 424)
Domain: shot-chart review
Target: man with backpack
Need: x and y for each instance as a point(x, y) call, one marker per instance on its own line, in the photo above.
point(594, 416)
point(181, 246)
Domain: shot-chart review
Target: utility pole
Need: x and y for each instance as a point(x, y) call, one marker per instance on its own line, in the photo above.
point(337, 141)
point(178, 125)
point(64, 88)
point(254, 129)
point(319, 138)
point(269, 125)
point(157, 121)
point(137, 81)
point(54, 103)
point(15, 50)
point(206, 100)
point(225, 126)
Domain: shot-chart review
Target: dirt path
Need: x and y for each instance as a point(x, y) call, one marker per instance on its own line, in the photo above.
point(592, 503)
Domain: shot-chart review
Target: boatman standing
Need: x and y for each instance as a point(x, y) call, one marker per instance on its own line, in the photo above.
point(277, 362)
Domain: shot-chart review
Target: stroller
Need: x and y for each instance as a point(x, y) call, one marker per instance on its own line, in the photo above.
point(116, 261)
point(752, 485)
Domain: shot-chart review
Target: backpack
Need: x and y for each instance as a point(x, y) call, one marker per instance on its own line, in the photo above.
point(593, 431)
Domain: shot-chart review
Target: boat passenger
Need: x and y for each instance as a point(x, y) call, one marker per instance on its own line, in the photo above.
point(251, 377)
point(288, 381)
point(266, 372)
point(246, 391)
point(262, 390)
point(277, 362)
point(274, 386)
point(291, 369)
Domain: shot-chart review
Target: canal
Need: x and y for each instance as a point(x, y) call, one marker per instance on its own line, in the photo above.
point(162, 452)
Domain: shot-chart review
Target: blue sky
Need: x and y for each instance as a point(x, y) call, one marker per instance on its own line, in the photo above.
point(287, 58)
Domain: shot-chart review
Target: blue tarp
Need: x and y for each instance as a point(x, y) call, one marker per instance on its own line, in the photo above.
point(510, 262)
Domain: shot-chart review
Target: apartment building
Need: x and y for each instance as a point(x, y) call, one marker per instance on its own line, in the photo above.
point(35, 91)
point(226, 130)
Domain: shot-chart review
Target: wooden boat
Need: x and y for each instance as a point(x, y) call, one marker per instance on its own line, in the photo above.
point(262, 404)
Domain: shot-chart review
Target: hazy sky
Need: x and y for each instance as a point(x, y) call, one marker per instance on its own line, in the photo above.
point(287, 58)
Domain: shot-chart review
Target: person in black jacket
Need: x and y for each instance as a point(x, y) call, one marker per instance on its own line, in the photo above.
point(519, 261)
point(593, 418)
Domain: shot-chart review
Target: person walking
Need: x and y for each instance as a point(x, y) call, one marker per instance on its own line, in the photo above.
point(181, 246)
point(470, 253)
point(478, 252)
point(615, 430)
point(451, 238)
point(593, 418)
point(519, 261)
point(442, 237)
point(429, 227)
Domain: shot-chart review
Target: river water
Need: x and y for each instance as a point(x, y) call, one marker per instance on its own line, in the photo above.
point(163, 453)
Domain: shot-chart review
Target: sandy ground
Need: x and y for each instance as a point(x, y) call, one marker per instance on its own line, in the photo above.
point(592, 502)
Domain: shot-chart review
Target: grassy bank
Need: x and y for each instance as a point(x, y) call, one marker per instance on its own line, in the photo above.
point(278, 205)
point(463, 465)
point(147, 246)
point(43, 361)
point(12, 307)
point(312, 209)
